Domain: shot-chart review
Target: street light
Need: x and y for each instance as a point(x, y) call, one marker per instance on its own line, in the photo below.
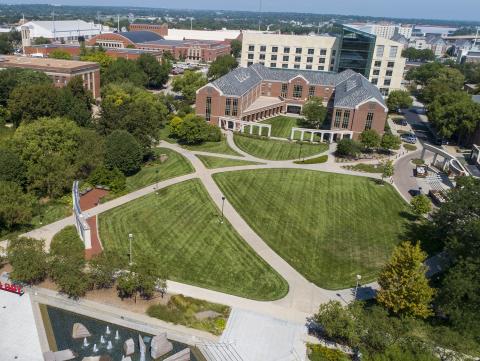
point(223, 204)
point(300, 152)
point(359, 277)
point(130, 237)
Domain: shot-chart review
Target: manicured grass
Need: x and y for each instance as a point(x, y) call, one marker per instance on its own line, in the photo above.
point(218, 162)
point(282, 125)
point(180, 226)
point(276, 149)
point(367, 168)
point(155, 171)
point(330, 227)
point(418, 161)
point(213, 147)
point(410, 147)
point(316, 160)
point(183, 310)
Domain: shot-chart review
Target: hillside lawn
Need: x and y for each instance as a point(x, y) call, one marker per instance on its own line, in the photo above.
point(218, 162)
point(272, 149)
point(330, 227)
point(180, 226)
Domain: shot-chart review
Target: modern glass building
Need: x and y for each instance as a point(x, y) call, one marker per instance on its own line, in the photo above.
point(356, 51)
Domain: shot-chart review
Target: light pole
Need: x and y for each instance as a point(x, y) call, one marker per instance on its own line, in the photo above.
point(223, 204)
point(300, 152)
point(359, 277)
point(130, 237)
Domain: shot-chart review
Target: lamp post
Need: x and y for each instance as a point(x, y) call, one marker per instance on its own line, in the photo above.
point(300, 152)
point(223, 204)
point(130, 237)
point(359, 277)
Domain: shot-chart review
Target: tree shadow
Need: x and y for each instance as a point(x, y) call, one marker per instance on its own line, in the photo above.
point(424, 232)
point(408, 216)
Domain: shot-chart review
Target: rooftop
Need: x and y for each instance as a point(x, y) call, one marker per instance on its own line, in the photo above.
point(63, 25)
point(45, 64)
point(217, 35)
point(141, 36)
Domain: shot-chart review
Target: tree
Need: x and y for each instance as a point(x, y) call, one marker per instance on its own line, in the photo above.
point(28, 260)
point(127, 285)
point(12, 77)
point(123, 152)
point(194, 129)
point(445, 80)
point(418, 55)
point(422, 74)
point(157, 73)
point(41, 41)
point(12, 168)
point(4, 115)
point(388, 169)
point(236, 48)
point(103, 268)
point(100, 57)
point(390, 141)
point(421, 204)
point(348, 148)
point(77, 102)
point(6, 46)
point(60, 54)
point(149, 276)
point(221, 66)
point(123, 70)
point(188, 84)
point(175, 125)
point(404, 288)
point(314, 111)
point(399, 99)
point(15, 206)
point(112, 178)
point(370, 138)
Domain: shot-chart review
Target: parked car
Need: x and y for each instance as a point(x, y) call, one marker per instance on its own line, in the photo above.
point(419, 110)
point(409, 138)
point(441, 141)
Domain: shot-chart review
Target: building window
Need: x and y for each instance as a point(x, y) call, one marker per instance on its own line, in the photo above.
point(375, 81)
point(296, 66)
point(321, 67)
point(251, 48)
point(284, 92)
point(261, 62)
point(334, 52)
point(273, 57)
point(376, 71)
point(387, 82)
point(311, 51)
point(286, 50)
point(297, 91)
point(298, 50)
point(273, 65)
point(323, 51)
point(389, 73)
point(208, 108)
point(285, 66)
point(390, 64)
point(235, 107)
point(262, 57)
point(384, 91)
point(338, 116)
point(321, 60)
point(368, 123)
point(380, 50)
point(274, 49)
point(378, 64)
point(311, 91)
point(228, 106)
point(286, 57)
point(250, 63)
point(250, 56)
point(298, 59)
point(263, 48)
point(346, 119)
point(393, 51)
point(310, 59)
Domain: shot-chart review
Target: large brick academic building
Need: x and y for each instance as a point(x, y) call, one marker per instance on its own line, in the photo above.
point(257, 92)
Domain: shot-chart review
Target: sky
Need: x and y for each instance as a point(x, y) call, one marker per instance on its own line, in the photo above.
point(427, 9)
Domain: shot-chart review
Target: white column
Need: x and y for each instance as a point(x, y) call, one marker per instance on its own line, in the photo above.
point(301, 136)
point(293, 134)
point(435, 158)
point(321, 137)
point(251, 128)
point(311, 137)
point(260, 130)
point(269, 132)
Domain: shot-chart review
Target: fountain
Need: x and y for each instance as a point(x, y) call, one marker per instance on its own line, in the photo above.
point(109, 346)
point(117, 336)
point(102, 339)
point(95, 348)
point(107, 332)
point(85, 342)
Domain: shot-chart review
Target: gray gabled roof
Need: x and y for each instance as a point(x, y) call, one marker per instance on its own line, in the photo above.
point(141, 36)
point(356, 90)
point(238, 81)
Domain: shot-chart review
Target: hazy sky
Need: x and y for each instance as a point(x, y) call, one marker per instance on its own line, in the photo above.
point(430, 9)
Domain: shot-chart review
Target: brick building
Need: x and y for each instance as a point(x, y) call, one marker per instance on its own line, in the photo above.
point(190, 50)
point(161, 30)
point(257, 92)
point(61, 71)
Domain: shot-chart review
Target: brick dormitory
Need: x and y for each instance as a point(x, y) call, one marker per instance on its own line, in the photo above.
point(256, 93)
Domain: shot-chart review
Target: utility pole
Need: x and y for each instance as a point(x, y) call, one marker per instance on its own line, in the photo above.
point(130, 237)
point(223, 204)
point(53, 22)
point(260, 15)
point(118, 23)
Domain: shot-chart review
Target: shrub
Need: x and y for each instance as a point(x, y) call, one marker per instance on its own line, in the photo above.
point(28, 259)
point(410, 147)
point(390, 141)
point(348, 148)
point(421, 204)
point(112, 178)
point(194, 130)
point(321, 353)
point(370, 138)
point(123, 151)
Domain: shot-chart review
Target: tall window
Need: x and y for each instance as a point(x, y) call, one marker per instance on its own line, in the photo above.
point(235, 107)
point(393, 51)
point(368, 123)
point(338, 116)
point(251, 47)
point(286, 50)
point(310, 59)
point(346, 119)
point(208, 108)
point(380, 50)
point(298, 50)
point(273, 57)
point(286, 58)
point(390, 64)
point(298, 59)
point(311, 91)
point(228, 106)
point(323, 51)
point(274, 49)
point(311, 51)
point(263, 48)
point(297, 91)
point(284, 92)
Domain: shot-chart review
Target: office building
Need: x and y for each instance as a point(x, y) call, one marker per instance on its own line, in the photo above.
point(384, 30)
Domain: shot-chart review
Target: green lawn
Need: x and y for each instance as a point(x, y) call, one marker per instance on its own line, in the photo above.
point(213, 147)
point(330, 227)
point(366, 167)
point(181, 227)
point(277, 149)
point(282, 125)
point(155, 171)
point(218, 162)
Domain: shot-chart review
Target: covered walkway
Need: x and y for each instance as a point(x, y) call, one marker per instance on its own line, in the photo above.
point(263, 108)
point(325, 135)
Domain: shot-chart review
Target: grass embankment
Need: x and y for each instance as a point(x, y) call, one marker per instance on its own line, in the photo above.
point(316, 160)
point(180, 226)
point(271, 149)
point(187, 311)
point(330, 227)
point(366, 168)
point(218, 162)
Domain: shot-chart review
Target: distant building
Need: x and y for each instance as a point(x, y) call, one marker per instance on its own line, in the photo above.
point(213, 35)
point(401, 39)
point(61, 71)
point(424, 30)
point(65, 31)
point(437, 44)
point(190, 50)
point(384, 30)
point(161, 30)
point(257, 92)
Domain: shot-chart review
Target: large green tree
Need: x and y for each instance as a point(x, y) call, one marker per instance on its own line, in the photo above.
point(60, 54)
point(221, 66)
point(315, 113)
point(370, 139)
point(15, 206)
point(236, 48)
point(28, 259)
point(12, 168)
point(12, 77)
point(123, 70)
point(422, 74)
point(157, 72)
point(123, 152)
point(399, 99)
point(194, 129)
point(188, 84)
point(445, 80)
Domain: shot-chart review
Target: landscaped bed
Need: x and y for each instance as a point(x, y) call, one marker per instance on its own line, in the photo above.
point(330, 227)
point(271, 149)
point(218, 162)
point(180, 226)
point(366, 167)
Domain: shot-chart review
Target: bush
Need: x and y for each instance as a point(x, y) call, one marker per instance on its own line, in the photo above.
point(28, 259)
point(67, 243)
point(15, 206)
point(348, 148)
point(421, 204)
point(410, 147)
point(370, 138)
point(195, 130)
point(321, 353)
point(112, 178)
point(390, 141)
point(122, 151)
